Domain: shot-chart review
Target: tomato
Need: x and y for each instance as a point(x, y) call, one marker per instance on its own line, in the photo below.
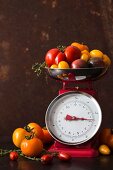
point(60, 57)
point(104, 150)
point(50, 56)
point(106, 60)
point(54, 66)
point(80, 46)
point(72, 53)
point(63, 65)
point(18, 135)
point(47, 137)
point(37, 130)
point(64, 156)
point(85, 57)
point(13, 155)
point(31, 147)
point(45, 159)
point(96, 53)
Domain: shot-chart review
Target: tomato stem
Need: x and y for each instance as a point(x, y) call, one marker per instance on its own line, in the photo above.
point(61, 48)
point(38, 68)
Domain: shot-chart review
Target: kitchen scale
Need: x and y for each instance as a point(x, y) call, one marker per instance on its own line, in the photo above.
point(74, 117)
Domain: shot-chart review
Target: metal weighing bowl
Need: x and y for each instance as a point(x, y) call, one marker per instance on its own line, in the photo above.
point(77, 74)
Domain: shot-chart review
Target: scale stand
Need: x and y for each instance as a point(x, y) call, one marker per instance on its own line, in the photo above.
point(88, 149)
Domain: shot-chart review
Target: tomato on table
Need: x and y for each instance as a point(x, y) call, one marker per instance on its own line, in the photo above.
point(31, 147)
point(18, 135)
point(36, 129)
point(47, 137)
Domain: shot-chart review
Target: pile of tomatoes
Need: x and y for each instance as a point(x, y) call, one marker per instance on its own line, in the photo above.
point(75, 56)
point(31, 140)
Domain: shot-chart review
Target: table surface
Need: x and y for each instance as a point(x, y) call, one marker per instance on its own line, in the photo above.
point(97, 163)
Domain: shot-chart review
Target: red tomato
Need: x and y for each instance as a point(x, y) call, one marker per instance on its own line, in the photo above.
point(45, 159)
point(64, 156)
point(13, 155)
point(60, 57)
point(72, 53)
point(50, 56)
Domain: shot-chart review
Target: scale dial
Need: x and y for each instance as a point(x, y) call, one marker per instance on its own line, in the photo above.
point(73, 118)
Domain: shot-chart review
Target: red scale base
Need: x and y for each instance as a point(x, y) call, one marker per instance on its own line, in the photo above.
point(88, 149)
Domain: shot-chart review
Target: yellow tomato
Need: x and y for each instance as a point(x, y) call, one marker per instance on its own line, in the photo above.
point(104, 150)
point(106, 60)
point(54, 66)
point(96, 53)
point(85, 57)
point(80, 46)
point(36, 129)
point(85, 52)
point(18, 135)
point(63, 65)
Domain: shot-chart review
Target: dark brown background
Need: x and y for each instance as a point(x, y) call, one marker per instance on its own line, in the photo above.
point(29, 28)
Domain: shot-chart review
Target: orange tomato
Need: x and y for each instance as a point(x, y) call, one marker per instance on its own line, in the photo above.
point(63, 64)
point(47, 137)
point(80, 46)
point(31, 147)
point(36, 129)
point(106, 60)
point(18, 135)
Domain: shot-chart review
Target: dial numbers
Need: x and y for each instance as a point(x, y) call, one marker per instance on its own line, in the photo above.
point(83, 121)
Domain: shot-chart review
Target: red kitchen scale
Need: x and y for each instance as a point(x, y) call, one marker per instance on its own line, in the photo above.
point(74, 117)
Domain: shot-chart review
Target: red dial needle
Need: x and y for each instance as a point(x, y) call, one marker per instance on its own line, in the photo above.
point(69, 117)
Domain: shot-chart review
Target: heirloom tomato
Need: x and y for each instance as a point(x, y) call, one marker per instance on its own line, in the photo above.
point(60, 57)
point(72, 53)
point(50, 56)
point(31, 147)
point(18, 135)
point(80, 46)
point(36, 129)
point(63, 65)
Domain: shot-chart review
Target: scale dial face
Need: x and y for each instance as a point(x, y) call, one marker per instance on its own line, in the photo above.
point(73, 118)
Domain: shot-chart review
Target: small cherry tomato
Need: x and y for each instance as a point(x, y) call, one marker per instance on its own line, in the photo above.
point(64, 156)
point(72, 53)
point(60, 57)
point(13, 155)
point(45, 159)
point(31, 147)
point(104, 150)
point(50, 56)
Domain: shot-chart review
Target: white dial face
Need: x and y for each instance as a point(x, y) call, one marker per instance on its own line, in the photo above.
point(73, 118)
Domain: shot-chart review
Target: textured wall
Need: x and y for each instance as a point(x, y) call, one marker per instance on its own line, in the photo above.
point(27, 30)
